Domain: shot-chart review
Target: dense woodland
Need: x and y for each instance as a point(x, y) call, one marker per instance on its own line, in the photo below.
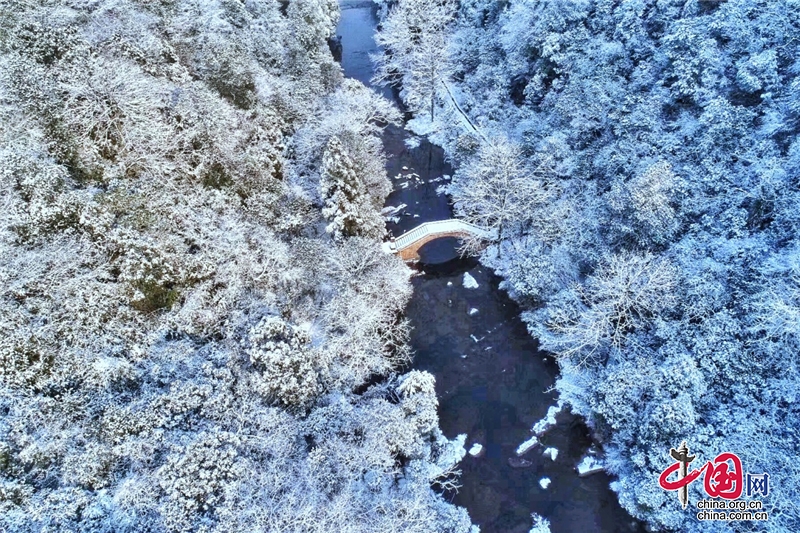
point(193, 286)
point(194, 300)
point(641, 161)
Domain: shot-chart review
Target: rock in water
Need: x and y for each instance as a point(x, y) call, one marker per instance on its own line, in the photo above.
point(552, 453)
point(548, 421)
point(588, 466)
point(519, 462)
point(526, 446)
point(476, 450)
point(469, 281)
point(544, 482)
point(335, 45)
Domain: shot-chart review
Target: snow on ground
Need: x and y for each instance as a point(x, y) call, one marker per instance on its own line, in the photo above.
point(422, 126)
point(469, 282)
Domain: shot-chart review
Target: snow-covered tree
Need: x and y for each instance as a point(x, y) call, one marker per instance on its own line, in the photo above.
point(623, 295)
point(670, 128)
point(348, 205)
point(415, 37)
point(175, 319)
point(646, 204)
point(500, 190)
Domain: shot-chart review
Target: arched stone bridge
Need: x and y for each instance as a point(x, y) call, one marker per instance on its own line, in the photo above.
point(408, 244)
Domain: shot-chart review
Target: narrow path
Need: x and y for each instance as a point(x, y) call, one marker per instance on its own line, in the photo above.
point(463, 114)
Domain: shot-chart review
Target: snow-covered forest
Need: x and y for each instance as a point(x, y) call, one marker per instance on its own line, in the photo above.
point(640, 160)
point(201, 332)
point(194, 298)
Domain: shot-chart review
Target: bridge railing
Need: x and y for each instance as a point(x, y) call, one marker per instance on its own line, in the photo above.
point(440, 226)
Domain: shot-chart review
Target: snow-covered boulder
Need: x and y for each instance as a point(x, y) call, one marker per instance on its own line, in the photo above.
point(469, 282)
point(549, 420)
point(476, 450)
point(552, 453)
point(392, 210)
point(544, 482)
point(526, 446)
point(589, 465)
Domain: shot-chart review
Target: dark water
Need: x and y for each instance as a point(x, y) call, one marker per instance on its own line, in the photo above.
point(491, 379)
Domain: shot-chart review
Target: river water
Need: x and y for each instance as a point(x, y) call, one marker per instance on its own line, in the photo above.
point(491, 380)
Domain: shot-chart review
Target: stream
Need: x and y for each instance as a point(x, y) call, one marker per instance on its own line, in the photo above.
point(491, 380)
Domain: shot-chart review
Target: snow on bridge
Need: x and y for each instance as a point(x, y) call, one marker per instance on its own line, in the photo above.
point(408, 244)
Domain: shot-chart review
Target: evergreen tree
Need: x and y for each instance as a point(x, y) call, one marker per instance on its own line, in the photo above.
point(347, 200)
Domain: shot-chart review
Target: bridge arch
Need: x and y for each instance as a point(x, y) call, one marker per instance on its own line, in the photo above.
point(407, 245)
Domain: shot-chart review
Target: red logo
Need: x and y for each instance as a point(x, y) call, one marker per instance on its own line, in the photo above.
point(722, 478)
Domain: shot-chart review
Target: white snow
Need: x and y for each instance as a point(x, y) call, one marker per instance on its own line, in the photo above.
point(589, 465)
point(476, 450)
point(449, 283)
point(472, 312)
point(469, 281)
point(552, 453)
point(412, 141)
point(527, 445)
point(539, 428)
point(549, 419)
point(421, 125)
point(390, 210)
point(544, 482)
